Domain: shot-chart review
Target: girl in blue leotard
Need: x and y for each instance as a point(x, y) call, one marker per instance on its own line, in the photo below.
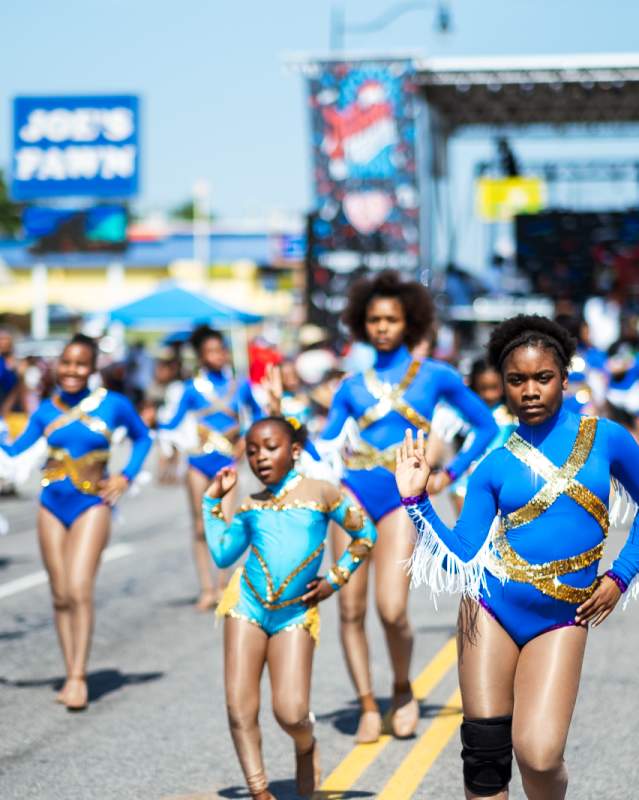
point(217, 400)
point(525, 553)
point(270, 606)
point(393, 316)
point(76, 499)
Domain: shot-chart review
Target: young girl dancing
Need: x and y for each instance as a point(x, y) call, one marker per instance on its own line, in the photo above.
point(74, 517)
point(530, 579)
point(270, 604)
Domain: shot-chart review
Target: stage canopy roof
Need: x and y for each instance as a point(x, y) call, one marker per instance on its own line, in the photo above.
point(524, 90)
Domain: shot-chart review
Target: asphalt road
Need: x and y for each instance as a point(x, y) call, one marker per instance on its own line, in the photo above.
point(156, 726)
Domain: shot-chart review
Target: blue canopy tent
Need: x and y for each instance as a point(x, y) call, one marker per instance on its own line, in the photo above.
point(172, 307)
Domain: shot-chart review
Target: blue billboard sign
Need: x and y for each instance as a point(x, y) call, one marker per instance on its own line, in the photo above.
point(75, 146)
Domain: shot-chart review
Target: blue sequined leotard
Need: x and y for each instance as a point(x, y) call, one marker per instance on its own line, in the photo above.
point(78, 430)
point(216, 399)
point(536, 562)
point(399, 392)
point(286, 533)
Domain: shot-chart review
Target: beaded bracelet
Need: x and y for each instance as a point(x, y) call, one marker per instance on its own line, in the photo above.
point(410, 501)
point(621, 584)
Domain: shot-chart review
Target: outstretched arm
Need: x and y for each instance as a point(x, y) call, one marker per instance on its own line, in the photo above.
point(446, 559)
point(30, 435)
point(226, 540)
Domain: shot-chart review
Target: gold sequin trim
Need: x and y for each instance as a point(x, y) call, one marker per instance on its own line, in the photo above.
point(390, 397)
point(273, 595)
point(216, 511)
point(80, 413)
point(354, 518)
point(62, 465)
point(359, 549)
point(216, 402)
point(369, 457)
point(212, 441)
point(559, 480)
point(338, 576)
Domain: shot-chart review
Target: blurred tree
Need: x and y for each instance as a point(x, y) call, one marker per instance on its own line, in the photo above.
point(186, 211)
point(10, 212)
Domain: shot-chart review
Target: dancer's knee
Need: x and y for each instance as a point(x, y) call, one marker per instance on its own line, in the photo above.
point(352, 614)
point(241, 716)
point(393, 614)
point(537, 754)
point(487, 753)
point(61, 599)
point(291, 714)
point(80, 592)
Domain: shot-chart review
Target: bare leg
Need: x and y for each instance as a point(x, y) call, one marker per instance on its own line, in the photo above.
point(290, 663)
point(487, 660)
point(52, 536)
point(394, 546)
point(352, 600)
point(245, 648)
point(87, 538)
point(546, 686)
point(197, 483)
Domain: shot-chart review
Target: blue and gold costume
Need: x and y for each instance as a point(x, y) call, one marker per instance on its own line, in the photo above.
point(399, 392)
point(536, 562)
point(78, 429)
point(286, 533)
point(216, 399)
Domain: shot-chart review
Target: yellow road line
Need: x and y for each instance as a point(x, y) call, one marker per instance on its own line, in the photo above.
point(363, 755)
point(406, 779)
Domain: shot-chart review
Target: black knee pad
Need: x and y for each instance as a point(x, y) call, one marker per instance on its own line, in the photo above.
point(487, 754)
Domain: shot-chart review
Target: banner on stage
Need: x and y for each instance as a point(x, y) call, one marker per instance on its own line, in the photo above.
point(75, 147)
point(363, 127)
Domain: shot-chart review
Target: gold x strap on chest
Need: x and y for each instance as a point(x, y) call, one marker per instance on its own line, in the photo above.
point(559, 480)
point(80, 413)
point(217, 403)
point(272, 601)
point(391, 397)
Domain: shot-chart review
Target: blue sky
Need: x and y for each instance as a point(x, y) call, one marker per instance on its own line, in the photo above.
point(218, 101)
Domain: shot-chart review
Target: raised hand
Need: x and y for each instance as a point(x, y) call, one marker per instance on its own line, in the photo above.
point(222, 483)
point(272, 385)
point(411, 468)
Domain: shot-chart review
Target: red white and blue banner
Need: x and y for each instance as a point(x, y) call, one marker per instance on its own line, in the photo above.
point(363, 123)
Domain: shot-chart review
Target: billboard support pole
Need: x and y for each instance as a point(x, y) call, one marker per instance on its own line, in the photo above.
point(39, 312)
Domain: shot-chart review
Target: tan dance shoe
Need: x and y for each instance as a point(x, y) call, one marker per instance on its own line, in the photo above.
point(76, 696)
point(370, 727)
point(308, 773)
point(265, 795)
point(404, 711)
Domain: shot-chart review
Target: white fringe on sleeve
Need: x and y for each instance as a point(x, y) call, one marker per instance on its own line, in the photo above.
point(433, 564)
point(622, 506)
